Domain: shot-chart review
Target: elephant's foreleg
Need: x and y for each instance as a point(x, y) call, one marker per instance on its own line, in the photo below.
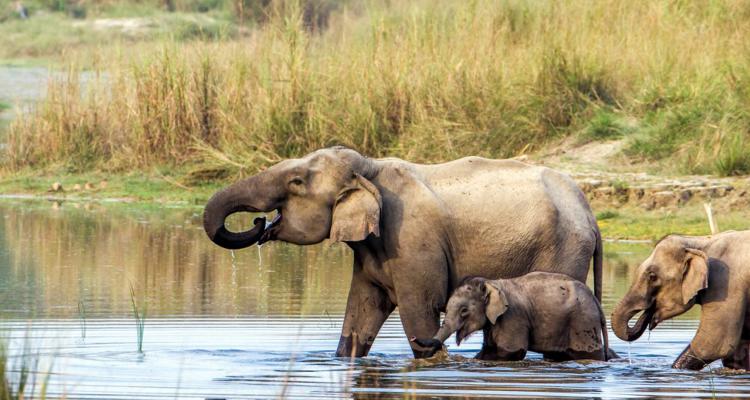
point(689, 360)
point(419, 320)
point(367, 309)
point(718, 335)
point(740, 359)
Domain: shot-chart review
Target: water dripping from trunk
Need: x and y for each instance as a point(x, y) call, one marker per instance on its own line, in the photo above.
point(234, 269)
point(630, 359)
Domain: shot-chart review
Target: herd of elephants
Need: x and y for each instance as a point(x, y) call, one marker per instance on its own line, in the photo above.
point(497, 245)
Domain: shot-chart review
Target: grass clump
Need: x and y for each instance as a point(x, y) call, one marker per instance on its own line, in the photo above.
point(604, 125)
point(427, 81)
point(607, 214)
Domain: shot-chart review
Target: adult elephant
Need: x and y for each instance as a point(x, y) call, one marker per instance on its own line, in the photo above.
point(416, 230)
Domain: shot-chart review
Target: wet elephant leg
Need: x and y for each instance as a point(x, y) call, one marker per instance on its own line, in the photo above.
point(579, 355)
point(688, 360)
point(367, 309)
point(498, 354)
point(740, 359)
point(419, 320)
point(718, 336)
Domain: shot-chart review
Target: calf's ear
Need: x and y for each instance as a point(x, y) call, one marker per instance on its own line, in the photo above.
point(694, 275)
point(495, 302)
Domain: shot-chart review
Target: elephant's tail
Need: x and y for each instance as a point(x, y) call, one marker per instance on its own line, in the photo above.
point(605, 335)
point(598, 259)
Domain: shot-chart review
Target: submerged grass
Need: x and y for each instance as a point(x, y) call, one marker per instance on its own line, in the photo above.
point(424, 80)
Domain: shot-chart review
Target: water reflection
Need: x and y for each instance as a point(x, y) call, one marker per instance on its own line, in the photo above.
point(53, 256)
point(266, 323)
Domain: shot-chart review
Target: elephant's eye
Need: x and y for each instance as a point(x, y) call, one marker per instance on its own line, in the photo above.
point(652, 277)
point(463, 311)
point(296, 181)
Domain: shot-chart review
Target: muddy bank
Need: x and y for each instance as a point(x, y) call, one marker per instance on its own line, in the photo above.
point(652, 192)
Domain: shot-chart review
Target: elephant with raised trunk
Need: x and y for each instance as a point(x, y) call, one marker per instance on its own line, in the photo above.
point(416, 230)
point(682, 271)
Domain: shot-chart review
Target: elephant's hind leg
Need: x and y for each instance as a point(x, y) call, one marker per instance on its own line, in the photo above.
point(367, 309)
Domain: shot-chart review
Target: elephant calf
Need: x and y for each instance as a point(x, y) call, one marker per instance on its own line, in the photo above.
point(684, 271)
point(544, 312)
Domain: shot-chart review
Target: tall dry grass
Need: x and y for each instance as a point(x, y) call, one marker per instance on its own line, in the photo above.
point(424, 80)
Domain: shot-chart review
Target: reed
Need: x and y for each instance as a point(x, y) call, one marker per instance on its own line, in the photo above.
point(140, 320)
point(82, 316)
point(18, 381)
point(424, 80)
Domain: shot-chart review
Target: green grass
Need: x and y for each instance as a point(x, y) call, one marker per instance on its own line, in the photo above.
point(155, 186)
point(606, 214)
point(635, 223)
point(55, 35)
point(604, 125)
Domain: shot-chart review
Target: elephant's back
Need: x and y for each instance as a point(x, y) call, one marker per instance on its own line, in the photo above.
point(565, 314)
point(509, 218)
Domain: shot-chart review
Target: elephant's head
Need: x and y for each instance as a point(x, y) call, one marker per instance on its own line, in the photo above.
point(324, 194)
point(475, 302)
point(665, 286)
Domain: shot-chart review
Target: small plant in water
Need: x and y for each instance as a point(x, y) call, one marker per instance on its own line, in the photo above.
point(82, 315)
point(140, 319)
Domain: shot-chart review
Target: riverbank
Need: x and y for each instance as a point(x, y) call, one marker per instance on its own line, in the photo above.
point(618, 220)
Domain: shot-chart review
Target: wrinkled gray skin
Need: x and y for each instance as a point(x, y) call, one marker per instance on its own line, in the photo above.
point(682, 271)
point(547, 313)
point(416, 230)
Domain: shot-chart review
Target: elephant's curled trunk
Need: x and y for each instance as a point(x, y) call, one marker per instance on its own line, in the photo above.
point(621, 317)
point(235, 198)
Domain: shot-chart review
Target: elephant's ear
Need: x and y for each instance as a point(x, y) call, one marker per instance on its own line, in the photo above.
point(695, 275)
point(356, 213)
point(495, 302)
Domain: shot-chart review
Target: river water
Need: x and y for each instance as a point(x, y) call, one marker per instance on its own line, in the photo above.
point(262, 323)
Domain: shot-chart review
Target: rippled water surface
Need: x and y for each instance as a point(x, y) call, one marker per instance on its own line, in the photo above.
point(261, 323)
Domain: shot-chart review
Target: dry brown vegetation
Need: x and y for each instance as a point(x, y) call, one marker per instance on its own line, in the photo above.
point(425, 80)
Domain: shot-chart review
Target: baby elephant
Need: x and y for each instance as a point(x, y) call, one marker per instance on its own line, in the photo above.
point(547, 313)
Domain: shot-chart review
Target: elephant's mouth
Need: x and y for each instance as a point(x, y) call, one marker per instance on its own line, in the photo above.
point(271, 229)
point(645, 320)
point(462, 335)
